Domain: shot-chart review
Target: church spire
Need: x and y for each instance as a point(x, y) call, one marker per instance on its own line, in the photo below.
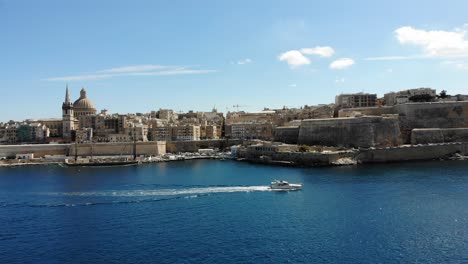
point(67, 96)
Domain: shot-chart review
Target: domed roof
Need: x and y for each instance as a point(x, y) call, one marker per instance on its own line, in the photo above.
point(83, 102)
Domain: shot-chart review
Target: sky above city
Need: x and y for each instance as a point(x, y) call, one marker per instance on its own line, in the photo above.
point(139, 56)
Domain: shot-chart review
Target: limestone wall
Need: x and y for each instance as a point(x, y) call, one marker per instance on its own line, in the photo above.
point(39, 150)
point(118, 148)
point(194, 146)
point(431, 115)
point(438, 135)
point(453, 114)
point(287, 134)
point(350, 132)
point(370, 111)
point(298, 158)
point(412, 153)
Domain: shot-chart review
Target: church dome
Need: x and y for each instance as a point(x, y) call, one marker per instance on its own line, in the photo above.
point(83, 103)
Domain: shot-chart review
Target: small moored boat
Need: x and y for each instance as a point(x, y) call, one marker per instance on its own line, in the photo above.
point(284, 185)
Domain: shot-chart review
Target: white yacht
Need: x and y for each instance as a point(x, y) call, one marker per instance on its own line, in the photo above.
point(284, 185)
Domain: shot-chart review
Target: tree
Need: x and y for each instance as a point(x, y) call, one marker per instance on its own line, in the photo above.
point(421, 98)
point(443, 94)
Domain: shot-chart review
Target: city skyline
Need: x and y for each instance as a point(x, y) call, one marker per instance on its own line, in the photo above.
point(138, 57)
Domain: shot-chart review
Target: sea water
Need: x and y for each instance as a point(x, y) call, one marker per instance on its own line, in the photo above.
point(210, 211)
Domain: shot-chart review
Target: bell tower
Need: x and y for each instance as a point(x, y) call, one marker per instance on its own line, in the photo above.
point(68, 122)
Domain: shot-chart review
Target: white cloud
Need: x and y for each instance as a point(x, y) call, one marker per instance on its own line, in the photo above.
point(136, 70)
point(460, 65)
point(181, 71)
point(244, 61)
point(294, 58)
point(87, 77)
point(341, 64)
point(390, 58)
point(341, 80)
point(435, 43)
point(321, 51)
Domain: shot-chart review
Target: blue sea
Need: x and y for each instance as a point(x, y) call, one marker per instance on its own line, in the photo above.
point(223, 212)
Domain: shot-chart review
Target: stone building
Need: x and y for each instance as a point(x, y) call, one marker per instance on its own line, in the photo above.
point(187, 133)
point(410, 95)
point(209, 132)
point(55, 126)
point(76, 115)
point(161, 133)
point(69, 121)
point(138, 132)
point(262, 131)
point(355, 100)
point(10, 133)
point(24, 133)
point(266, 116)
point(83, 105)
point(84, 135)
point(167, 114)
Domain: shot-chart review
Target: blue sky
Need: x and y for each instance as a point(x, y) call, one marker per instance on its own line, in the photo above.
point(138, 56)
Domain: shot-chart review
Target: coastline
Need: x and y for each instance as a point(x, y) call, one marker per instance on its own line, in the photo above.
point(405, 153)
point(107, 160)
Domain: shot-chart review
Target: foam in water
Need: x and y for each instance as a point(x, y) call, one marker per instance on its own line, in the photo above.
point(169, 192)
point(137, 196)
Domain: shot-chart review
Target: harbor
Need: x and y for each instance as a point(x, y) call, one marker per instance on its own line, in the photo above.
point(214, 206)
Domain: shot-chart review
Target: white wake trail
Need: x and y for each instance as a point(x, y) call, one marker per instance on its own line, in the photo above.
point(171, 192)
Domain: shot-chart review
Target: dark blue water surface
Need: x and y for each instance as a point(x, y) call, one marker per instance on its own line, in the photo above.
point(222, 212)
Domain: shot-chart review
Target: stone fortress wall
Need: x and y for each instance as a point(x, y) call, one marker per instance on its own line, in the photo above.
point(411, 116)
point(118, 148)
point(39, 150)
point(412, 153)
point(194, 146)
point(369, 111)
point(366, 131)
point(151, 148)
point(431, 115)
point(287, 134)
point(438, 135)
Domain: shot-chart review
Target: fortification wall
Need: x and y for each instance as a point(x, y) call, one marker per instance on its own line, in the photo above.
point(431, 115)
point(298, 158)
point(194, 146)
point(39, 150)
point(369, 111)
point(412, 153)
point(287, 135)
point(438, 135)
point(350, 132)
point(118, 148)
